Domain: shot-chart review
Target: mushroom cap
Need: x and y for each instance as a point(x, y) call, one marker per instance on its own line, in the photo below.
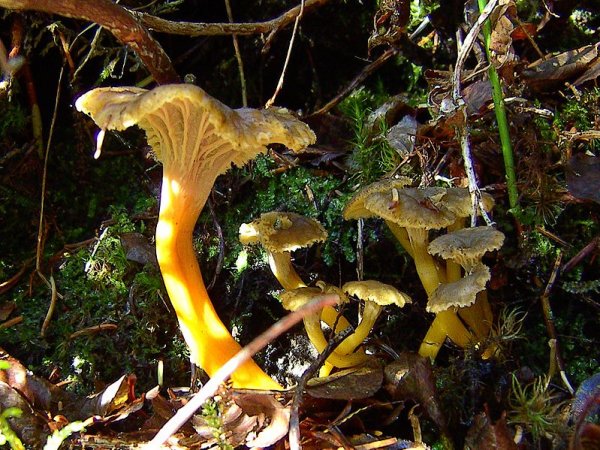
point(412, 207)
point(458, 201)
point(295, 299)
point(355, 208)
point(461, 293)
point(377, 292)
point(292, 299)
point(282, 231)
point(188, 128)
point(468, 245)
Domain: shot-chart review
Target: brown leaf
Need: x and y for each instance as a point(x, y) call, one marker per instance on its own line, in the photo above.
point(544, 73)
point(278, 417)
point(349, 384)
point(410, 378)
point(484, 434)
point(138, 249)
point(583, 177)
point(30, 429)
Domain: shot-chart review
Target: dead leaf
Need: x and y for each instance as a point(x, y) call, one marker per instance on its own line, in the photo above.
point(484, 434)
point(402, 136)
point(278, 417)
point(30, 429)
point(544, 73)
point(349, 384)
point(138, 249)
point(410, 378)
point(583, 177)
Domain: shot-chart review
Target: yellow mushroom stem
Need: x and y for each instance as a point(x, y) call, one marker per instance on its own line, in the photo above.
point(283, 269)
point(425, 264)
point(312, 324)
point(210, 342)
point(370, 314)
point(446, 323)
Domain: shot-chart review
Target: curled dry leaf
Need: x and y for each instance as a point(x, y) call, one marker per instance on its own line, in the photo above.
point(543, 74)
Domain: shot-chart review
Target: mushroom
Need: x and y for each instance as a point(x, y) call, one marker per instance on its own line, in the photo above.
point(466, 248)
point(296, 298)
point(443, 302)
point(196, 138)
point(355, 208)
point(417, 211)
point(376, 295)
point(280, 233)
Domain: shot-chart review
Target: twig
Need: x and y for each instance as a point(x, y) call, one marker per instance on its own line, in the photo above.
point(594, 245)
point(230, 366)
point(368, 70)
point(459, 103)
point(221, 245)
point(9, 323)
point(294, 433)
point(193, 29)
point(5, 286)
point(120, 22)
point(51, 307)
point(549, 320)
point(93, 330)
point(40, 239)
point(238, 56)
point(279, 86)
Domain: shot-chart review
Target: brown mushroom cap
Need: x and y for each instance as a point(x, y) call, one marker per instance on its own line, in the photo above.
point(412, 207)
point(468, 245)
point(355, 208)
point(461, 293)
point(458, 201)
point(282, 231)
point(377, 292)
point(188, 128)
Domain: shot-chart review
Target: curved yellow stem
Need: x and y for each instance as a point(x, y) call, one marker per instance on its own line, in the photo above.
point(210, 342)
point(446, 323)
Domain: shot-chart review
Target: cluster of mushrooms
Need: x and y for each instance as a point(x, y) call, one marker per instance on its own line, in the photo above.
point(196, 138)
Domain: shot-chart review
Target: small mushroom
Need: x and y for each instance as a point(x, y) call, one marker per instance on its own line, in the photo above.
point(417, 211)
point(296, 298)
point(355, 208)
point(196, 138)
point(466, 247)
point(280, 233)
point(443, 302)
point(376, 295)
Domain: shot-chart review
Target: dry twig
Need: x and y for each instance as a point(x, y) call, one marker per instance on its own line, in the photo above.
point(550, 327)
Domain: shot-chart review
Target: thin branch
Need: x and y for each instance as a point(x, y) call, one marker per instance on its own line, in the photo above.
point(358, 79)
point(123, 24)
point(550, 327)
point(271, 101)
point(238, 56)
point(230, 366)
point(224, 29)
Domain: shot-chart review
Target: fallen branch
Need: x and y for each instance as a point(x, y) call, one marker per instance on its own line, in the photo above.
point(120, 22)
point(230, 366)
